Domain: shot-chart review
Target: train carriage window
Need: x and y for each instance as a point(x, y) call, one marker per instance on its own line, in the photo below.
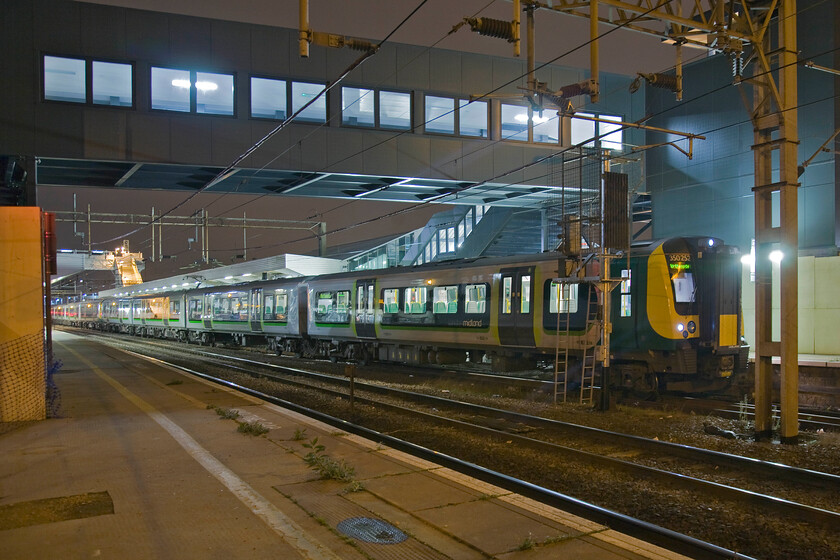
point(475, 298)
point(683, 284)
point(332, 307)
point(196, 306)
point(507, 294)
point(174, 310)
point(625, 309)
point(525, 306)
point(268, 307)
point(389, 301)
point(415, 300)
point(563, 298)
point(282, 302)
point(445, 299)
point(370, 299)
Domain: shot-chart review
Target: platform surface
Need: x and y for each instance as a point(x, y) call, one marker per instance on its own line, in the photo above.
point(137, 466)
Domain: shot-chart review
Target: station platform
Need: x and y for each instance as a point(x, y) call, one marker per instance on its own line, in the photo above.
point(139, 465)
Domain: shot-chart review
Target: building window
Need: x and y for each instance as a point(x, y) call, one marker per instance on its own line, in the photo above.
point(358, 107)
point(303, 93)
point(68, 79)
point(546, 127)
point(213, 93)
point(65, 79)
point(440, 115)
point(472, 118)
point(112, 84)
point(268, 98)
point(395, 110)
point(171, 89)
point(514, 122)
point(585, 131)
point(187, 91)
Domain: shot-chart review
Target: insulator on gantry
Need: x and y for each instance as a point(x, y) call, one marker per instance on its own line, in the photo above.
point(492, 28)
point(573, 90)
point(359, 45)
point(737, 65)
point(662, 81)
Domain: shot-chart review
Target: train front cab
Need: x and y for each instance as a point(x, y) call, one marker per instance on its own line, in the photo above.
point(677, 316)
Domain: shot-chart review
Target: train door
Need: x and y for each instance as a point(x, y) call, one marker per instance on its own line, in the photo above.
point(208, 311)
point(255, 309)
point(516, 313)
point(365, 324)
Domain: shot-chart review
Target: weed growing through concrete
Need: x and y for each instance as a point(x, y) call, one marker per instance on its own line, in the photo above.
point(527, 543)
point(326, 466)
point(252, 428)
point(300, 434)
point(176, 382)
point(227, 413)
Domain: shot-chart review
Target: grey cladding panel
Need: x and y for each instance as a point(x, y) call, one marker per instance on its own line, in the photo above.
point(508, 75)
point(380, 157)
point(231, 44)
point(505, 158)
point(344, 149)
point(148, 137)
point(476, 74)
point(110, 37)
point(414, 154)
point(105, 134)
point(61, 32)
point(412, 67)
point(445, 71)
point(147, 36)
point(446, 159)
point(270, 51)
point(59, 130)
point(190, 39)
point(229, 140)
point(381, 70)
point(191, 140)
point(314, 146)
point(313, 68)
point(276, 152)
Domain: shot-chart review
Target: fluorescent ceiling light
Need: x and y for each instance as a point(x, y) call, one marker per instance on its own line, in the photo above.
point(181, 83)
point(207, 86)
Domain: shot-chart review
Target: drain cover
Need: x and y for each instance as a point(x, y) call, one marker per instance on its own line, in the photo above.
point(371, 530)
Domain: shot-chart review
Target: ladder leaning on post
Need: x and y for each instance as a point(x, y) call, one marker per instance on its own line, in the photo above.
point(590, 355)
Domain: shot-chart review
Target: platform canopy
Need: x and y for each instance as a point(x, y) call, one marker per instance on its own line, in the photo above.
point(172, 177)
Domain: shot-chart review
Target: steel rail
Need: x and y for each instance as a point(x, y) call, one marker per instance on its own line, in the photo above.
point(757, 466)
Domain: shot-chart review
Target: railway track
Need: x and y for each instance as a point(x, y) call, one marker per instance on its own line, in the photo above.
point(706, 474)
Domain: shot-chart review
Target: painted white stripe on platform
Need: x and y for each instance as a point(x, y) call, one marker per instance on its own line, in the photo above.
point(288, 530)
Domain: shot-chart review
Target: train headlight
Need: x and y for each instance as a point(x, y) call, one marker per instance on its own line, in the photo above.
point(691, 326)
point(685, 334)
point(680, 327)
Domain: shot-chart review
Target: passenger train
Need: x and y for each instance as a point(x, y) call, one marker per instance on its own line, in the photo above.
point(676, 320)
